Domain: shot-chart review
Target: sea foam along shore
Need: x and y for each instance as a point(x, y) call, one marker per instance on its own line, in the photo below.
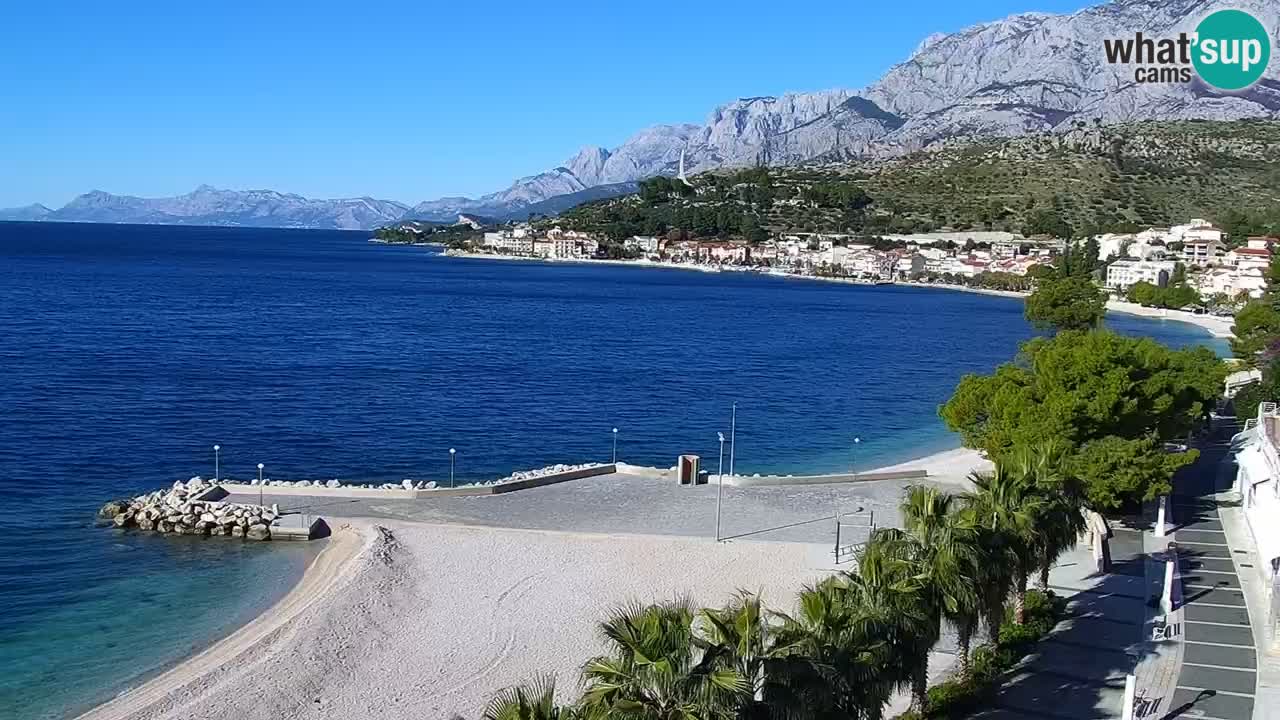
point(410, 620)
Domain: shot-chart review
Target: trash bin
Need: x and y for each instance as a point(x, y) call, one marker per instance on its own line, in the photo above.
point(687, 467)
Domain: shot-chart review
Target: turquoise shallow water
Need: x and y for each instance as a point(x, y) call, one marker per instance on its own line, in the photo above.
point(126, 352)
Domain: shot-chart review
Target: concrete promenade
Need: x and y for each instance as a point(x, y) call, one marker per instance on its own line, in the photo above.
point(1198, 661)
point(620, 503)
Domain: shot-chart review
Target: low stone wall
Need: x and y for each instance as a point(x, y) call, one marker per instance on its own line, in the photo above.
point(764, 480)
point(184, 510)
point(415, 493)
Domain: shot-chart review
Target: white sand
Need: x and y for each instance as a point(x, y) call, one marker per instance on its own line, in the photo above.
point(430, 621)
point(1218, 326)
point(948, 466)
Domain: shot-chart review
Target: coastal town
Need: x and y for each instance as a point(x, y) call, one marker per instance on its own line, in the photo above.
point(1213, 271)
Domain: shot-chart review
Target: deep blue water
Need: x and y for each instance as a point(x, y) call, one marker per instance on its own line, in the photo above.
point(126, 352)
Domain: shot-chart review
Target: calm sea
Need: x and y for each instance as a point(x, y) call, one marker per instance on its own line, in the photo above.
point(126, 352)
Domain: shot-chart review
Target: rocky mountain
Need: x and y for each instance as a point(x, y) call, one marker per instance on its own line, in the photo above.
point(210, 206)
point(1029, 73)
point(28, 213)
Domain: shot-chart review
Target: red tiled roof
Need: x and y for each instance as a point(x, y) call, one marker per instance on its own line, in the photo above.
point(1253, 251)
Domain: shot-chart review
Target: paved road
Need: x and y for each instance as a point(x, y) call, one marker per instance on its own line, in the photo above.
point(1219, 664)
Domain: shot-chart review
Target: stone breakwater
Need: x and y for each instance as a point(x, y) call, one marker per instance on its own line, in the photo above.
point(407, 484)
point(178, 510)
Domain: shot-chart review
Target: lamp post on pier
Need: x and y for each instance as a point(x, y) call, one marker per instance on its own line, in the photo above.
point(452, 453)
point(260, 466)
point(719, 485)
point(217, 469)
point(615, 446)
point(853, 467)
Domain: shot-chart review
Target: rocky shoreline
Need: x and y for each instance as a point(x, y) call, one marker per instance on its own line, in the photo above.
point(180, 511)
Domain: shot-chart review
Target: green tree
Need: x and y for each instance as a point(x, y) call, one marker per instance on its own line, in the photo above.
point(1059, 522)
point(940, 550)
point(1143, 293)
point(1257, 325)
point(1080, 387)
point(1116, 472)
point(739, 639)
point(535, 701)
point(1067, 304)
point(841, 654)
point(1005, 506)
point(659, 670)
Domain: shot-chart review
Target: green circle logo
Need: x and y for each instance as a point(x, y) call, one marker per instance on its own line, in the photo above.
point(1232, 49)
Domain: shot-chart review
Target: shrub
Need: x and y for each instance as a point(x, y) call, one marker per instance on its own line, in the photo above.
point(955, 698)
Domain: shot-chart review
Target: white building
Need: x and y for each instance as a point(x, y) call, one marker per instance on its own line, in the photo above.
point(647, 244)
point(506, 242)
point(1258, 483)
point(1122, 274)
point(1202, 252)
point(1248, 258)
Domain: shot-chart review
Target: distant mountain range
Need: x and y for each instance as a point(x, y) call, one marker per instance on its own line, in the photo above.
point(1034, 72)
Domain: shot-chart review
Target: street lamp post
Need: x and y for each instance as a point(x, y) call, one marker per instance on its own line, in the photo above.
point(853, 468)
point(615, 446)
point(733, 435)
point(452, 453)
point(719, 485)
point(260, 484)
point(217, 469)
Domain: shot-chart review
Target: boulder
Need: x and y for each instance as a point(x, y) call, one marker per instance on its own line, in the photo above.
point(406, 484)
point(145, 523)
point(112, 509)
point(258, 531)
point(123, 519)
point(208, 517)
point(164, 526)
point(333, 484)
point(430, 486)
point(237, 531)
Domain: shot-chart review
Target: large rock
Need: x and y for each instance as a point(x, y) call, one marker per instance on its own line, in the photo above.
point(112, 509)
point(258, 531)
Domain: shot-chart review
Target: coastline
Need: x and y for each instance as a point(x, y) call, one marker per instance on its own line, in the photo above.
point(361, 577)
point(318, 581)
point(1218, 327)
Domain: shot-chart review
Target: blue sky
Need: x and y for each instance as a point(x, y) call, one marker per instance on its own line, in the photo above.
point(403, 101)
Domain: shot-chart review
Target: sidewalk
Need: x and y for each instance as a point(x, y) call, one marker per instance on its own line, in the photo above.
point(1217, 670)
point(1078, 672)
point(1246, 562)
point(1198, 661)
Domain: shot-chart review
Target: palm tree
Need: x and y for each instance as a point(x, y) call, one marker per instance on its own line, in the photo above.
point(833, 659)
point(535, 701)
point(660, 670)
point(1060, 520)
point(1005, 508)
point(737, 637)
point(939, 551)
